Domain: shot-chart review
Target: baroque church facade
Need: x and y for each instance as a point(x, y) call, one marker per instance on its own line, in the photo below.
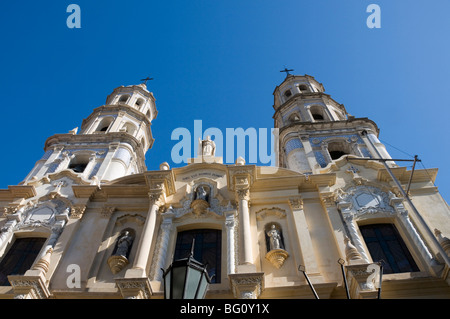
point(337, 218)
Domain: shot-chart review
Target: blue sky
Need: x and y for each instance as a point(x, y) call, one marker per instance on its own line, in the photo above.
point(219, 62)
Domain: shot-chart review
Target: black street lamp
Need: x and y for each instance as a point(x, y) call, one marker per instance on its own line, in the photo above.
point(186, 279)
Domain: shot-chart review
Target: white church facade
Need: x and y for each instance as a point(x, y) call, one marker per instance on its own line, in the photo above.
point(337, 217)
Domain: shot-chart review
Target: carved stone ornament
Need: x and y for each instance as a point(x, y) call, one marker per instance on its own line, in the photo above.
point(117, 263)
point(107, 211)
point(277, 257)
point(134, 288)
point(247, 285)
point(361, 200)
point(199, 207)
point(77, 211)
point(29, 287)
point(243, 194)
point(351, 252)
point(363, 280)
point(296, 203)
point(44, 263)
point(273, 211)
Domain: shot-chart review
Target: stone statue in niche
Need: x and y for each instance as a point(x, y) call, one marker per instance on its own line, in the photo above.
point(200, 203)
point(201, 193)
point(119, 257)
point(274, 238)
point(123, 244)
point(275, 245)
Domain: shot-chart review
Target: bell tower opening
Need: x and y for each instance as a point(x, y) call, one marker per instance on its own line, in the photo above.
point(338, 149)
point(79, 163)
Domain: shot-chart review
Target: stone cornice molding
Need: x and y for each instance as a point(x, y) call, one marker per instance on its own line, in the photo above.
point(94, 139)
point(20, 191)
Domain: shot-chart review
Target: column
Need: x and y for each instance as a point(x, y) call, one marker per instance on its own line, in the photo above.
point(403, 215)
point(243, 197)
point(230, 224)
point(355, 238)
point(143, 250)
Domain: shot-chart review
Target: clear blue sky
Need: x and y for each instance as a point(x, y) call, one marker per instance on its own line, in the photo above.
point(219, 61)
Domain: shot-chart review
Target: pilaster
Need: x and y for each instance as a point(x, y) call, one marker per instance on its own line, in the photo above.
point(303, 237)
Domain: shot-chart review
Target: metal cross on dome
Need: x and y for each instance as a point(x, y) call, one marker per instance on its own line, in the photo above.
point(287, 71)
point(146, 79)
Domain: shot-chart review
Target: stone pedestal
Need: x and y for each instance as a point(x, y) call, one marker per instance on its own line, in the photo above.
point(247, 285)
point(134, 288)
point(277, 257)
point(29, 286)
point(363, 280)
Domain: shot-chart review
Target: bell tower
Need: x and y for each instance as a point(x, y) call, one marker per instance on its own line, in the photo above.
point(315, 130)
point(111, 142)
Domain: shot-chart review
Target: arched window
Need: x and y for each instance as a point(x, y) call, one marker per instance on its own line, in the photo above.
point(104, 125)
point(124, 98)
point(385, 244)
point(317, 117)
point(20, 257)
point(337, 149)
point(294, 118)
point(317, 113)
point(303, 88)
point(287, 93)
point(129, 128)
point(139, 102)
point(207, 249)
point(79, 163)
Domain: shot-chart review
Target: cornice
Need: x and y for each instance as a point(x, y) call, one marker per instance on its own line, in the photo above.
point(199, 166)
point(92, 139)
point(20, 191)
point(115, 109)
point(301, 96)
point(314, 128)
point(403, 175)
